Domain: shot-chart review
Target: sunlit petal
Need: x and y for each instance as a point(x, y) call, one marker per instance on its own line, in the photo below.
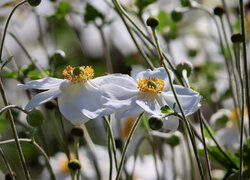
point(68, 105)
point(42, 84)
point(43, 98)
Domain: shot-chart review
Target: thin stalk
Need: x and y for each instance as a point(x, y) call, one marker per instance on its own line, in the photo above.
point(215, 141)
point(13, 127)
point(7, 164)
point(131, 133)
point(132, 36)
point(76, 147)
point(204, 146)
point(173, 163)
point(112, 140)
point(181, 109)
point(106, 51)
point(246, 76)
point(7, 24)
point(227, 16)
point(110, 157)
point(12, 107)
point(31, 141)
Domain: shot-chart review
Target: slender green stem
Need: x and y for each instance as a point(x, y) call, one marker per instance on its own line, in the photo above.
point(110, 157)
point(215, 141)
point(13, 127)
point(246, 75)
point(112, 140)
point(31, 141)
point(76, 147)
point(12, 107)
point(7, 164)
point(7, 24)
point(131, 133)
point(204, 146)
point(117, 5)
point(181, 110)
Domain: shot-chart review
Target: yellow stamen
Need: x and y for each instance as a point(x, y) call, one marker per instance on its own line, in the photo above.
point(83, 74)
point(151, 84)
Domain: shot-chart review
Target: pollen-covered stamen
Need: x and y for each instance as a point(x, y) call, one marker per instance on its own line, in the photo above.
point(78, 74)
point(151, 84)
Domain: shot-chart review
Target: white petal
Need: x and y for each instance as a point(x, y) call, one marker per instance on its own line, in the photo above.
point(150, 105)
point(133, 110)
point(118, 79)
point(171, 123)
point(89, 102)
point(43, 84)
point(117, 96)
point(189, 99)
point(160, 73)
point(68, 105)
point(43, 97)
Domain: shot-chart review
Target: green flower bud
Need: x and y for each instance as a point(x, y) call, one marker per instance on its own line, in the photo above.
point(237, 38)
point(59, 55)
point(118, 143)
point(34, 2)
point(155, 122)
point(153, 22)
point(78, 70)
point(74, 165)
point(219, 10)
point(151, 84)
point(184, 65)
point(176, 16)
point(77, 131)
point(173, 140)
point(50, 105)
point(35, 118)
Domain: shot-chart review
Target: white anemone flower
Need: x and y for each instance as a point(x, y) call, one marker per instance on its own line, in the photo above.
point(78, 95)
point(148, 92)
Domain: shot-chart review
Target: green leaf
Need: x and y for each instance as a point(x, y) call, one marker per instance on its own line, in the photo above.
point(142, 4)
point(12, 75)
point(92, 14)
point(62, 10)
point(166, 109)
point(34, 75)
point(6, 62)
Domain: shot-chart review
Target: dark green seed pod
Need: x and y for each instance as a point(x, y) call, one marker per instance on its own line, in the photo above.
point(50, 105)
point(59, 55)
point(78, 70)
point(118, 143)
point(35, 118)
point(8, 176)
point(77, 131)
point(153, 22)
point(185, 65)
point(237, 38)
point(173, 140)
point(219, 10)
point(34, 3)
point(176, 16)
point(155, 122)
point(74, 165)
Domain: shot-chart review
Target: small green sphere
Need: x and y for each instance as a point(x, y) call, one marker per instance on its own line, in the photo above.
point(173, 140)
point(237, 38)
point(155, 122)
point(219, 10)
point(35, 118)
point(151, 84)
point(153, 22)
point(77, 131)
point(176, 16)
point(74, 165)
point(78, 70)
point(34, 3)
point(185, 65)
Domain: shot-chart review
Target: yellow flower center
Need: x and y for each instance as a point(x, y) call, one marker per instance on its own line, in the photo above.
point(151, 84)
point(78, 74)
point(127, 127)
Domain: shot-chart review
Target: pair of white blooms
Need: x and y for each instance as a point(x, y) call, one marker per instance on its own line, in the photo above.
point(80, 97)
